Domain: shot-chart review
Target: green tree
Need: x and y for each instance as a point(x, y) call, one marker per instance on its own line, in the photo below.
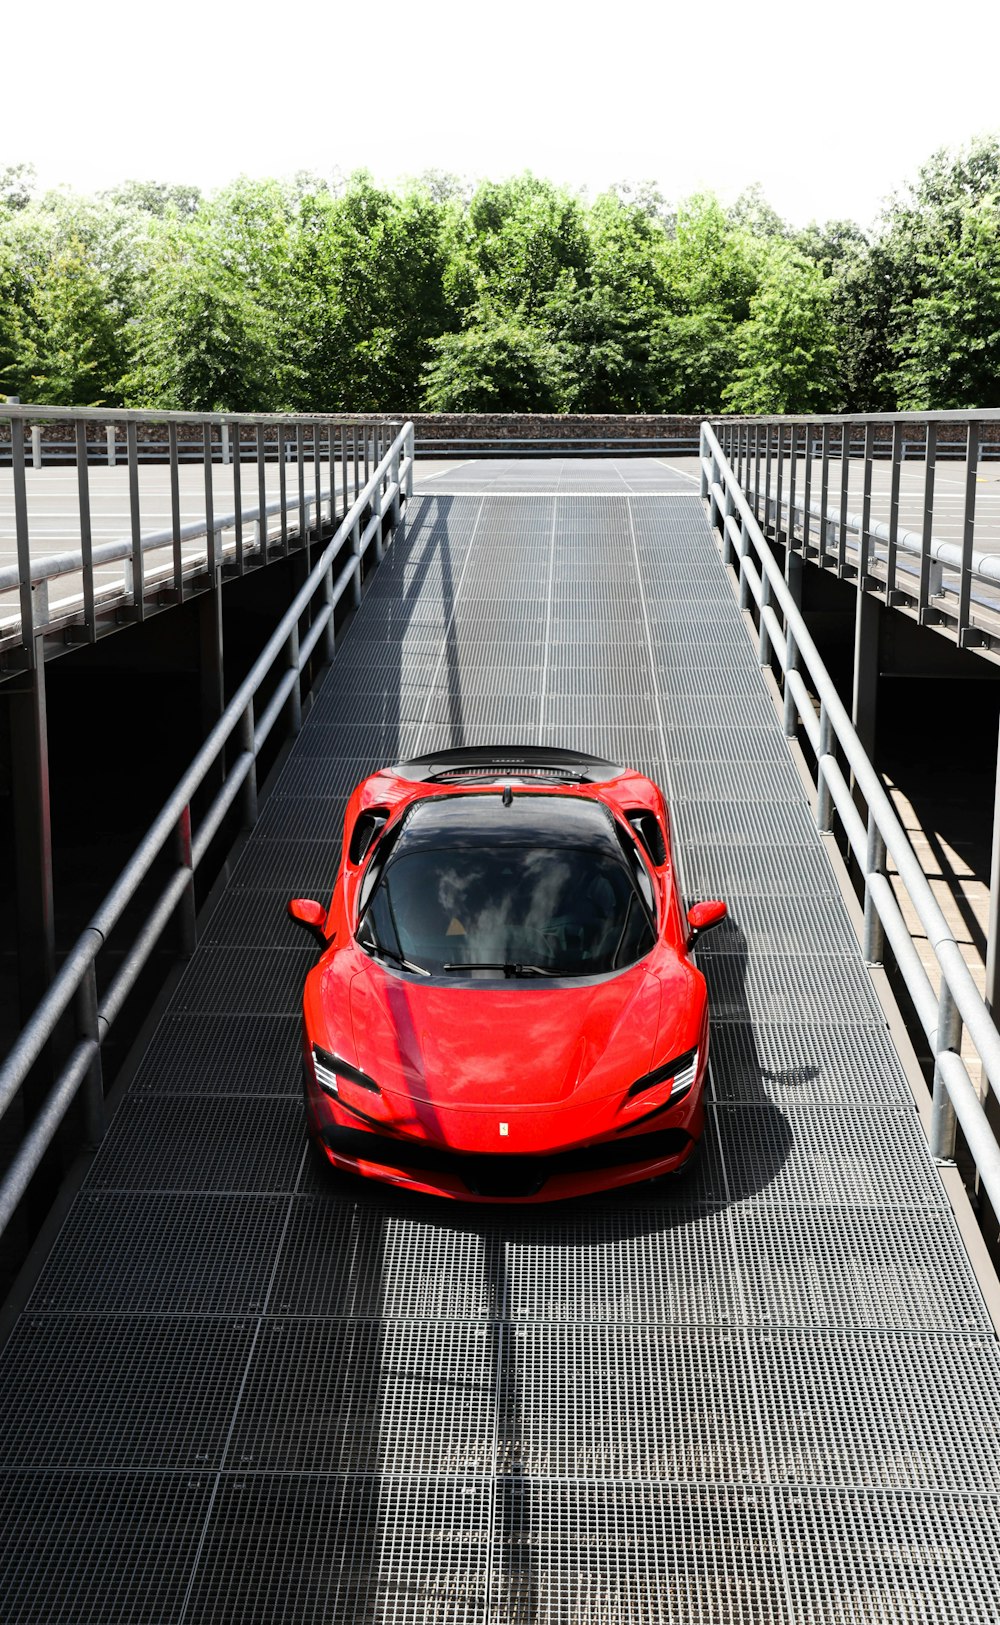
point(201, 342)
point(949, 354)
point(495, 366)
point(607, 327)
point(71, 354)
point(364, 298)
point(786, 350)
point(516, 245)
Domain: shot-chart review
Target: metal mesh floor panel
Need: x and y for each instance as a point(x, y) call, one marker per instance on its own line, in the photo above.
point(303, 818)
point(215, 1144)
point(254, 919)
point(736, 782)
point(370, 1396)
point(834, 1154)
point(630, 1265)
point(98, 1546)
point(852, 1267)
point(223, 1055)
point(878, 1410)
point(638, 1555)
point(804, 1065)
point(367, 1260)
point(642, 1402)
point(141, 1253)
point(249, 1390)
point(334, 1551)
point(868, 1559)
point(799, 871)
point(98, 1391)
point(231, 980)
point(787, 987)
point(754, 823)
point(778, 925)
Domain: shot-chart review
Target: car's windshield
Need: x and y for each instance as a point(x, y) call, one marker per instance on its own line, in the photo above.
point(512, 910)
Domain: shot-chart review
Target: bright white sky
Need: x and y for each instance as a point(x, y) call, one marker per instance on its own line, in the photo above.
point(829, 106)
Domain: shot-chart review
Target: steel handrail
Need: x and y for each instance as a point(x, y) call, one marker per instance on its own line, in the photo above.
point(959, 1000)
point(53, 565)
point(389, 484)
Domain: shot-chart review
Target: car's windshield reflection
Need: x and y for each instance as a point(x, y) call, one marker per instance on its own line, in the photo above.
point(561, 911)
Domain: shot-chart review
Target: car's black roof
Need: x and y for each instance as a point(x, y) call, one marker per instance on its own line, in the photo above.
point(529, 819)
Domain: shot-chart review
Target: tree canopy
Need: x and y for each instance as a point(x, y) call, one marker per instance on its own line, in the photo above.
point(515, 295)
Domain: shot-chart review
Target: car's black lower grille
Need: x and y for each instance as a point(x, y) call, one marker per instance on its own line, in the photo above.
point(503, 1175)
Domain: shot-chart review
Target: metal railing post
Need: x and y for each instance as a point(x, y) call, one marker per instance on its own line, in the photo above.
point(294, 664)
point(746, 594)
point(728, 510)
point(824, 797)
point(756, 471)
point(175, 511)
point(779, 457)
point(890, 558)
point(187, 918)
point(927, 572)
point(845, 484)
point(874, 934)
point(86, 530)
point(300, 469)
point(109, 436)
point(866, 507)
point(213, 549)
point(824, 494)
point(965, 631)
point(246, 739)
point(22, 534)
point(356, 550)
point(237, 451)
point(136, 559)
point(793, 576)
point(92, 1088)
point(807, 493)
point(282, 487)
point(262, 491)
point(949, 1037)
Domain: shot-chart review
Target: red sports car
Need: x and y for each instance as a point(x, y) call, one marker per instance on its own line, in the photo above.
point(504, 1007)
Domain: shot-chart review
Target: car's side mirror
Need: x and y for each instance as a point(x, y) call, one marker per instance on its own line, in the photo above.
point(701, 918)
point(311, 915)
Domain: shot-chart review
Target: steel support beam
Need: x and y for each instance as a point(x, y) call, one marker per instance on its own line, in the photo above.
point(867, 642)
point(26, 709)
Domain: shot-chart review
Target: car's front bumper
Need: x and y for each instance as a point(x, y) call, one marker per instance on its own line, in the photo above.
point(502, 1177)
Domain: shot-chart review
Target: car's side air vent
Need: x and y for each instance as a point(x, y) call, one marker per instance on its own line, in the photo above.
point(368, 825)
point(650, 834)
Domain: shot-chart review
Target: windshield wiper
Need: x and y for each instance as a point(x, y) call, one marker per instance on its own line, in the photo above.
point(377, 949)
point(506, 966)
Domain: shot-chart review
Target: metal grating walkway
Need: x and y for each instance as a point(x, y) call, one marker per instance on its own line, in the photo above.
point(769, 1394)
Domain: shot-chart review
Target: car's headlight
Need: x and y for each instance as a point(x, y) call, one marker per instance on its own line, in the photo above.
point(331, 1071)
point(683, 1069)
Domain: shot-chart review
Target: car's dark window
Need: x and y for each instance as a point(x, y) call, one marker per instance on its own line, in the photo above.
point(562, 911)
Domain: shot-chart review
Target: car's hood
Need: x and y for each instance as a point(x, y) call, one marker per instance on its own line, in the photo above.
point(518, 1045)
